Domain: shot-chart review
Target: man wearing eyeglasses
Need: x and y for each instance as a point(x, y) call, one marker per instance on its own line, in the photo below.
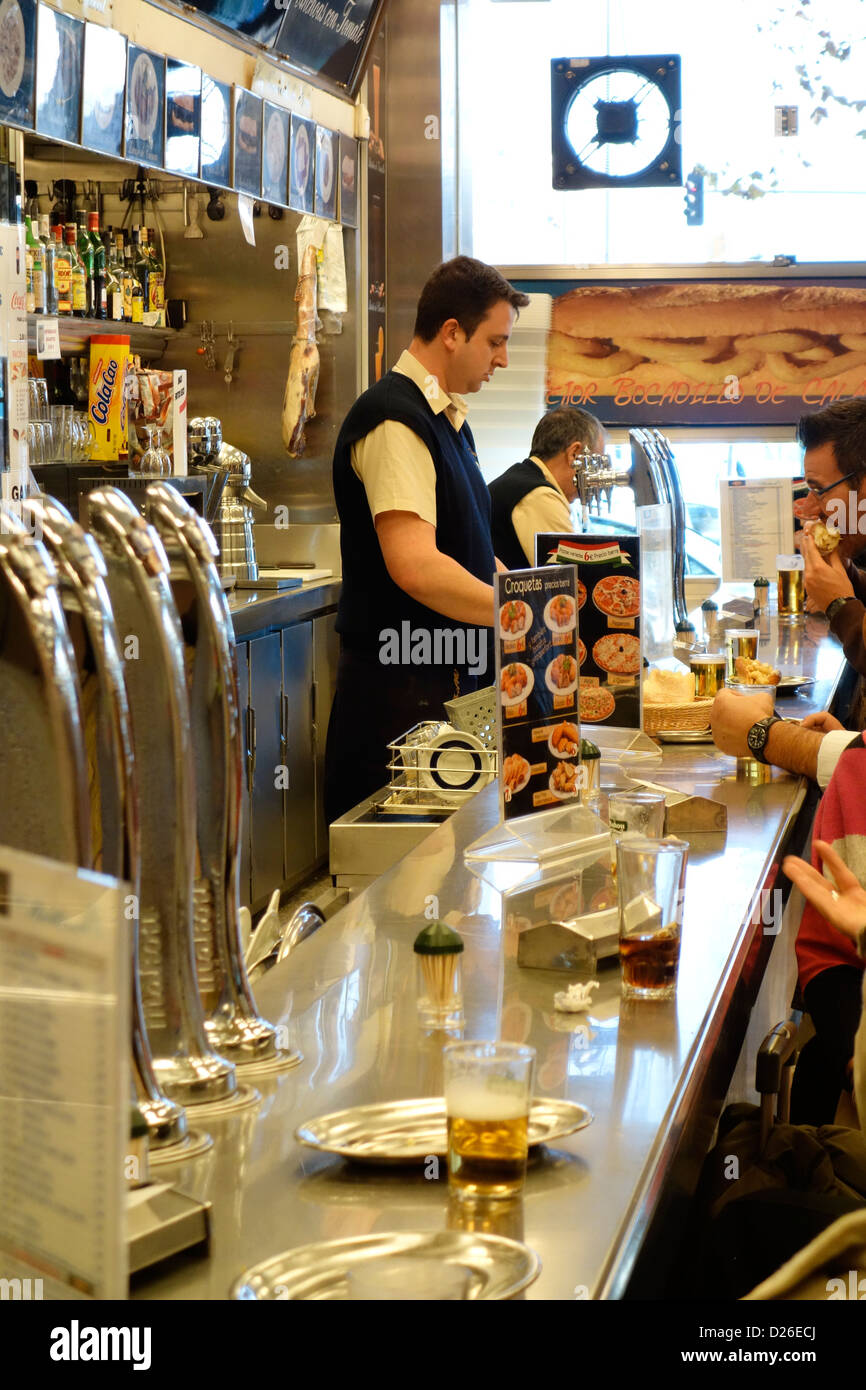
point(834, 465)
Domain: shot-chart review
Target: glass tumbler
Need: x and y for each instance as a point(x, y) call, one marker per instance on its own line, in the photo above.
point(651, 878)
point(488, 1091)
point(635, 813)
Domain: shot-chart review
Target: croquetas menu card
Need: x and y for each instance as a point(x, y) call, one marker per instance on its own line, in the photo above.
point(608, 602)
point(537, 681)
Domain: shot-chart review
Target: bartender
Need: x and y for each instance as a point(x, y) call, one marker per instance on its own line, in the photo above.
point(417, 599)
point(536, 495)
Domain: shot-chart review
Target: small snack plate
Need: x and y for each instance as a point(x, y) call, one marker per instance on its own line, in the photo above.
point(789, 684)
point(408, 1131)
point(684, 736)
point(474, 1266)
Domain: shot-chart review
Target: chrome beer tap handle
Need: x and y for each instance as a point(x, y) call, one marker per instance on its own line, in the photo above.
point(108, 739)
point(137, 580)
point(231, 1017)
point(44, 807)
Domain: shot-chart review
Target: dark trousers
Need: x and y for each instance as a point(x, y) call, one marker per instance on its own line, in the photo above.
point(833, 1001)
point(373, 705)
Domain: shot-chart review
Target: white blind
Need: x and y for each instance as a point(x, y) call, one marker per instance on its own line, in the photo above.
point(504, 413)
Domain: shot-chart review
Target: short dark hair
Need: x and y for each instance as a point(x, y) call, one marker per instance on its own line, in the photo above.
point(843, 425)
point(561, 427)
point(463, 289)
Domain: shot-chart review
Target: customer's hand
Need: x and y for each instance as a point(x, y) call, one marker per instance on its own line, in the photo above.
point(822, 721)
point(824, 579)
point(845, 905)
point(733, 715)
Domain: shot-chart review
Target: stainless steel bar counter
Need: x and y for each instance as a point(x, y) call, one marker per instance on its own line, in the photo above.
point(604, 1206)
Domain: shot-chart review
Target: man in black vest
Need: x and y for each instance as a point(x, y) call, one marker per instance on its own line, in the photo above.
point(535, 495)
point(418, 558)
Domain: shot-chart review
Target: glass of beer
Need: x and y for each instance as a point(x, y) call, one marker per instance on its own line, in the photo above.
point(488, 1089)
point(708, 669)
point(740, 642)
point(789, 578)
point(651, 881)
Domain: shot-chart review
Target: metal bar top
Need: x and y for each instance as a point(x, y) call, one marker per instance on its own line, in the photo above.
point(348, 998)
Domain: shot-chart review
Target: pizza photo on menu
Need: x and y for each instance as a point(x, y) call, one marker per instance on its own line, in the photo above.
point(595, 704)
point(618, 653)
point(618, 596)
point(17, 61)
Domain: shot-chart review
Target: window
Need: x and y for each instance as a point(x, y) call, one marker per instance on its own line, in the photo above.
point(765, 194)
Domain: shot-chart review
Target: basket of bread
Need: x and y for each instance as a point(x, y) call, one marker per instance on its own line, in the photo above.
point(669, 704)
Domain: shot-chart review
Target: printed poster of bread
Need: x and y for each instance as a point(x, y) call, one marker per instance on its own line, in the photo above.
point(699, 348)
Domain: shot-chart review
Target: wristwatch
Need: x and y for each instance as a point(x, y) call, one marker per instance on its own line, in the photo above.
point(834, 605)
point(758, 735)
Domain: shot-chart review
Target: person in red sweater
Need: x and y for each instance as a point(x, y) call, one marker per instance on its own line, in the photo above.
point(830, 968)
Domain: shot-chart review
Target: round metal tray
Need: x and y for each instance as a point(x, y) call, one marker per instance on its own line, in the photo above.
point(408, 1131)
point(496, 1267)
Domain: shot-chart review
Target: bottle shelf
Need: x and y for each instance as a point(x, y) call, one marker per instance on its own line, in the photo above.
point(75, 334)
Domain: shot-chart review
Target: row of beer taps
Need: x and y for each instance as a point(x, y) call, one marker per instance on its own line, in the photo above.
point(121, 751)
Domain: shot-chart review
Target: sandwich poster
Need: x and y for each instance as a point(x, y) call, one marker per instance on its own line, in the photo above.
point(709, 352)
point(608, 602)
point(537, 681)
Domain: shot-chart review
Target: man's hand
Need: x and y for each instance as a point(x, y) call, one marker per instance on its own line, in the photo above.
point(822, 721)
point(731, 718)
point(844, 906)
point(824, 579)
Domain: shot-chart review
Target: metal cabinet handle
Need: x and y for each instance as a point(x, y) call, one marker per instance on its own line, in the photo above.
point(251, 736)
point(284, 722)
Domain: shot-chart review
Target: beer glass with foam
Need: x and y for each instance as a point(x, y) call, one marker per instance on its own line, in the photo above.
point(488, 1090)
point(789, 578)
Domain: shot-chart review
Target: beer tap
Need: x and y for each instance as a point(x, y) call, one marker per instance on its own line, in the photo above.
point(44, 808)
point(595, 477)
point(108, 742)
point(137, 580)
point(231, 1018)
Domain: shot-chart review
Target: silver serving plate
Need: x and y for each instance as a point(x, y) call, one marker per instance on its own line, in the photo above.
point(497, 1267)
point(684, 735)
point(408, 1131)
point(790, 683)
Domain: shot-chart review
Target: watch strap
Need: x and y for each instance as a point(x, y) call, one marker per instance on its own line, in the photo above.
point(834, 605)
point(766, 724)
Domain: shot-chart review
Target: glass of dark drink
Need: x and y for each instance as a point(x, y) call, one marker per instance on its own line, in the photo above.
point(651, 877)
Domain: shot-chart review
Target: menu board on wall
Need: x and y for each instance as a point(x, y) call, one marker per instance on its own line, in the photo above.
point(536, 680)
point(329, 38)
point(608, 600)
point(18, 62)
point(708, 352)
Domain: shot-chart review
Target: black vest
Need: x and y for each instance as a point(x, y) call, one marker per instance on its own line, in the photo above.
point(507, 492)
point(370, 601)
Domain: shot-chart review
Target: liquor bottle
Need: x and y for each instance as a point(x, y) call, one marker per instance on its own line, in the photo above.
point(62, 273)
point(84, 247)
point(98, 260)
point(47, 241)
point(157, 280)
point(34, 267)
point(78, 273)
point(141, 266)
point(127, 278)
point(113, 281)
point(137, 301)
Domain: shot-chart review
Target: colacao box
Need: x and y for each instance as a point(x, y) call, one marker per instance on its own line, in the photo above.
point(109, 362)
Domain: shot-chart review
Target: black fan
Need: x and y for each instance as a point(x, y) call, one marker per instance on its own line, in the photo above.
point(616, 122)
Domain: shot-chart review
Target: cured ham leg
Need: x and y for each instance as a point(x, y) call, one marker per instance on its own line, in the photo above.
point(299, 401)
